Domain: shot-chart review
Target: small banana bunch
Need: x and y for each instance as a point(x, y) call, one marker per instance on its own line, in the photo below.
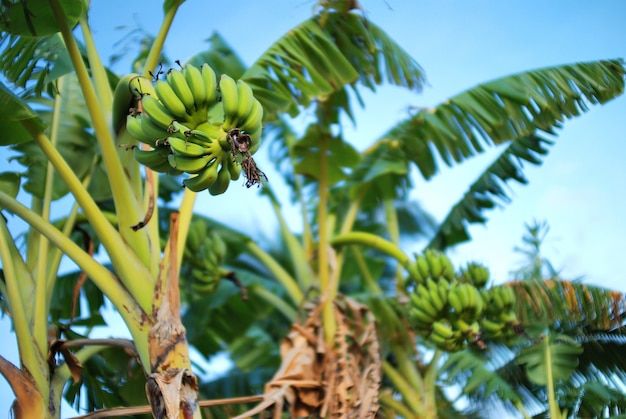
point(500, 321)
point(202, 259)
point(431, 264)
point(475, 274)
point(454, 310)
point(195, 123)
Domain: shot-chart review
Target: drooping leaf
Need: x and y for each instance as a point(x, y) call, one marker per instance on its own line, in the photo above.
point(12, 111)
point(321, 56)
point(555, 356)
point(33, 63)
point(340, 155)
point(73, 140)
point(511, 109)
point(35, 17)
point(10, 183)
point(489, 190)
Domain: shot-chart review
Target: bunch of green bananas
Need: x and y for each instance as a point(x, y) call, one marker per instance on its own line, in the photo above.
point(203, 257)
point(500, 321)
point(195, 123)
point(454, 310)
point(432, 264)
point(475, 274)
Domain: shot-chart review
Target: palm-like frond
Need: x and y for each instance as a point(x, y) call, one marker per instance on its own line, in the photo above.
point(511, 109)
point(488, 189)
point(317, 58)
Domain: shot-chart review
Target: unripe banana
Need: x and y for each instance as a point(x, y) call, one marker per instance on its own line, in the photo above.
point(245, 101)
point(427, 307)
point(128, 92)
point(196, 235)
point(188, 164)
point(133, 126)
point(151, 158)
point(254, 118)
point(210, 84)
point(152, 131)
point(434, 296)
point(434, 263)
point(218, 246)
point(422, 268)
point(187, 148)
point(234, 168)
point(442, 329)
point(157, 113)
point(228, 89)
point(421, 316)
point(177, 80)
point(204, 179)
point(209, 132)
point(193, 75)
point(222, 181)
point(170, 99)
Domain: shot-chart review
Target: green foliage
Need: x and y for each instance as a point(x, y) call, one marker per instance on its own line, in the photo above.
point(240, 293)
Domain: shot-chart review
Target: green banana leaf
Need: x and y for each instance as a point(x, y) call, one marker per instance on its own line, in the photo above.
point(513, 109)
point(34, 18)
point(556, 356)
point(317, 58)
point(73, 140)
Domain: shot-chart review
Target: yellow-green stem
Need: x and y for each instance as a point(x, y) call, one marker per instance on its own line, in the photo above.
point(430, 401)
point(323, 268)
point(125, 201)
point(389, 401)
point(280, 304)
point(411, 397)
point(128, 307)
point(281, 275)
point(131, 270)
point(393, 227)
point(28, 354)
point(555, 411)
point(365, 272)
point(154, 55)
point(299, 258)
point(371, 240)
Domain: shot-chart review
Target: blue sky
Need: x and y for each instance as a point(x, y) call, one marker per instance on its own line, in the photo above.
point(579, 190)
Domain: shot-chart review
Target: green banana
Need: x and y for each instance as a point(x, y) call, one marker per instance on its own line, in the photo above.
point(204, 179)
point(435, 297)
point(421, 316)
point(127, 95)
point(434, 263)
point(186, 148)
point(151, 158)
point(222, 181)
point(422, 268)
point(133, 126)
point(228, 89)
point(425, 305)
point(253, 118)
point(454, 299)
point(234, 168)
point(170, 99)
point(442, 329)
point(491, 328)
point(157, 113)
point(210, 84)
point(188, 164)
point(196, 235)
point(177, 80)
point(193, 75)
point(152, 131)
point(245, 101)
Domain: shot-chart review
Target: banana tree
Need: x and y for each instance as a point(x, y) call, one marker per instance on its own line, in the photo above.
point(570, 366)
point(91, 128)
